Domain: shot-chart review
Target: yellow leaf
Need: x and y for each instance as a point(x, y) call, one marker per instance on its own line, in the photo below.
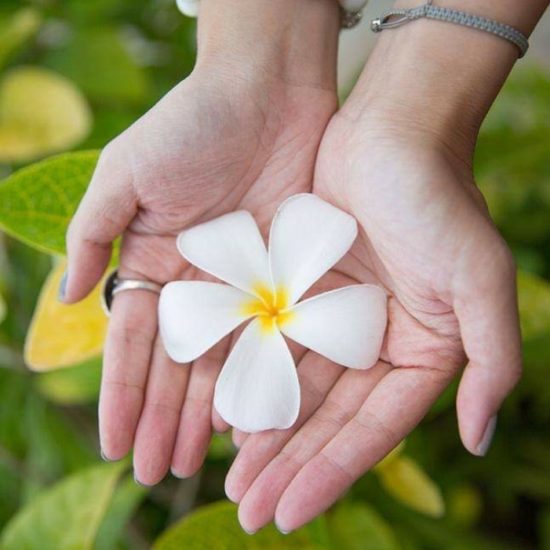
point(391, 456)
point(41, 112)
point(465, 505)
point(409, 484)
point(61, 335)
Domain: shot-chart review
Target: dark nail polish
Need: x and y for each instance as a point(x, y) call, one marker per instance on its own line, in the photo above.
point(62, 288)
point(487, 437)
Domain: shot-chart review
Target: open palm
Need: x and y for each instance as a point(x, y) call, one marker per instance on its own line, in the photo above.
point(210, 146)
point(426, 237)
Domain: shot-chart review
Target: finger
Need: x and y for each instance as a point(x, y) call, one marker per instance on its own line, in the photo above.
point(392, 410)
point(218, 423)
point(103, 214)
point(489, 324)
point(238, 437)
point(158, 424)
point(259, 503)
point(195, 425)
point(316, 375)
point(132, 330)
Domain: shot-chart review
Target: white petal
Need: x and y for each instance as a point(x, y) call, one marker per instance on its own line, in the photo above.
point(308, 236)
point(230, 248)
point(258, 387)
point(195, 315)
point(346, 325)
point(189, 7)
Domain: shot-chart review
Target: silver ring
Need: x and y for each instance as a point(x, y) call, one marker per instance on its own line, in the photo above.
point(113, 285)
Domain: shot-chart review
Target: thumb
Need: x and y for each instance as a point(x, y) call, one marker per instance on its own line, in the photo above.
point(105, 211)
point(489, 323)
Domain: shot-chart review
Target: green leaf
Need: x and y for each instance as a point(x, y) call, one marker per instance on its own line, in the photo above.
point(356, 526)
point(216, 526)
point(19, 29)
point(544, 528)
point(221, 447)
point(98, 62)
point(38, 202)
point(3, 309)
point(125, 501)
point(465, 505)
point(74, 386)
point(534, 305)
point(67, 515)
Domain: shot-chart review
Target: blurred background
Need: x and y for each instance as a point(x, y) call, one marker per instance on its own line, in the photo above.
point(74, 74)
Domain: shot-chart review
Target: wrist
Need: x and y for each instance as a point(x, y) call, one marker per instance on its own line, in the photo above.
point(439, 78)
point(262, 40)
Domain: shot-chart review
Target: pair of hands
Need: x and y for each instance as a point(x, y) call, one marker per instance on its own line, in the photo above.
point(216, 144)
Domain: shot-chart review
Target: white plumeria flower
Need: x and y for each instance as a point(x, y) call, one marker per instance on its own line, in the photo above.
point(258, 386)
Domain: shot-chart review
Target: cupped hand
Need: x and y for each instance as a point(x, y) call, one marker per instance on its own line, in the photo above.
point(427, 238)
point(216, 143)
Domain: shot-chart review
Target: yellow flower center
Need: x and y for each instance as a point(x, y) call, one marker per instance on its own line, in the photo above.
point(271, 308)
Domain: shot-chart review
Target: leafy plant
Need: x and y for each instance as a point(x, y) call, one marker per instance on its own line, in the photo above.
point(2, 309)
point(66, 516)
point(16, 31)
point(38, 202)
point(98, 66)
point(407, 482)
point(62, 335)
point(216, 526)
point(40, 113)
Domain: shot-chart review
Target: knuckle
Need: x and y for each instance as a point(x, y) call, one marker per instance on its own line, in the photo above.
point(72, 232)
point(108, 153)
point(161, 405)
point(76, 233)
point(332, 413)
point(132, 334)
point(121, 384)
point(111, 166)
point(336, 467)
point(370, 421)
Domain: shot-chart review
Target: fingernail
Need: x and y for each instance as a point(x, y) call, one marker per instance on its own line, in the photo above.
point(248, 531)
point(227, 489)
point(105, 457)
point(177, 474)
point(282, 531)
point(62, 288)
point(485, 442)
point(139, 482)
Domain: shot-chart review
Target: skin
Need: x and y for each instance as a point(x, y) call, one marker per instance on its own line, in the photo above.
point(222, 140)
point(427, 238)
point(398, 156)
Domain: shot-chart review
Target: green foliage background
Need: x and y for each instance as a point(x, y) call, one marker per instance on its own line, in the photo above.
point(54, 490)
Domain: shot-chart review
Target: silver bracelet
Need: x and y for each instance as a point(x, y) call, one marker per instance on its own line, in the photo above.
point(430, 11)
